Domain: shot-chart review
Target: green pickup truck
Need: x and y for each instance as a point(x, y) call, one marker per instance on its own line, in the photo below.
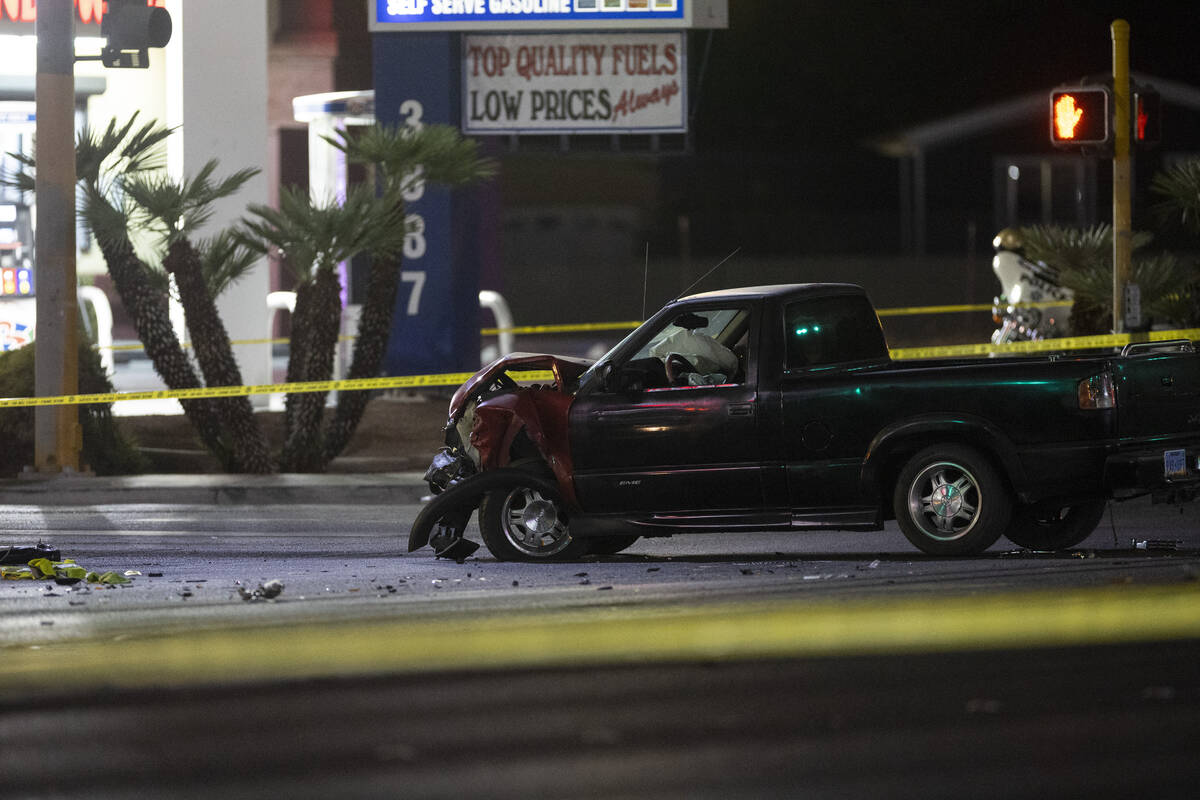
point(779, 408)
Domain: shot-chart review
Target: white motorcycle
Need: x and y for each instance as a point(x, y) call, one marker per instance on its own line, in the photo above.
point(1024, 282)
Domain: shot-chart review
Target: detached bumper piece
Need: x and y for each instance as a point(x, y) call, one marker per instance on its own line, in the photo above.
point(443, 520)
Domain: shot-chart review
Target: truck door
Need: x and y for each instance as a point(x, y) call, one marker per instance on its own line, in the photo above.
point(830, 408)
point(675, 438)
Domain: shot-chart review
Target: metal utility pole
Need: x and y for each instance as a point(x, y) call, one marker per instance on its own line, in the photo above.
point(56, 429)
point(1122, 171)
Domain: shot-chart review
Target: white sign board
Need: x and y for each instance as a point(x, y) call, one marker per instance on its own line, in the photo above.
point(575, 83)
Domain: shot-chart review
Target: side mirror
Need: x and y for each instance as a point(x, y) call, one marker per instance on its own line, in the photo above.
point(606, 376)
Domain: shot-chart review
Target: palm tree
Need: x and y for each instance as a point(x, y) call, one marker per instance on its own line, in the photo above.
point(1083, 258)
point(104, 161)
point(174, 211)
point(315, 237)
point(403, 158)
point(1179, 188)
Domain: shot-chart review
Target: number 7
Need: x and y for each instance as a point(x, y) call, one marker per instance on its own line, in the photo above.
point(417, 279)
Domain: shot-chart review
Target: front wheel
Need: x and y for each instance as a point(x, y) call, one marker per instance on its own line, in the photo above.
point(527, 523)
point(1054, 528)
point(950, 501)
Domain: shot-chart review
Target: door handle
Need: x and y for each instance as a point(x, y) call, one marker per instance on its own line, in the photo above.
point(741, 409)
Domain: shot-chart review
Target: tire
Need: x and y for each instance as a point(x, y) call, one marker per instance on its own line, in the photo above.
point(528, 523)
point(950, 501)
point(609, 545)
point(1054, 528)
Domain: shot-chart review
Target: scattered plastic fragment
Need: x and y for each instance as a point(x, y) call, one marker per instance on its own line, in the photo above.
point(265, 591)
point(1157, 544)
point(108, 578)
point(23, 554)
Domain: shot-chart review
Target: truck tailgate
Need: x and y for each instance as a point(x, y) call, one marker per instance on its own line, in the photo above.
point(1158, 397)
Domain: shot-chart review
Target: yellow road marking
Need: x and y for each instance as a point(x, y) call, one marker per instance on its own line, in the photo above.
point(737, 631)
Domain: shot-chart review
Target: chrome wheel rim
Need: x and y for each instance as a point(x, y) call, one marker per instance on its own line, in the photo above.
point(944, 501)
point(533, 523)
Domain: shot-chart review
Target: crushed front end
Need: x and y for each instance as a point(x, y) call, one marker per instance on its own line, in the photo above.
point(493, 417)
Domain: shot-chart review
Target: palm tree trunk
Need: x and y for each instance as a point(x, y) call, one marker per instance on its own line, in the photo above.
point(321, 315)
point(211, 343)
point(374, 328)
point(152, 321)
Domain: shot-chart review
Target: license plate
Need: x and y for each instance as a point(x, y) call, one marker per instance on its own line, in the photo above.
point(1175, 464)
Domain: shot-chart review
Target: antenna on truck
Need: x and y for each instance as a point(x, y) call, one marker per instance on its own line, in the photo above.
point(710, 272)
point(645, 280)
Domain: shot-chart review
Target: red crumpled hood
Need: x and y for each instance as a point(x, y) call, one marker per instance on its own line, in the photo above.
point(565, 369)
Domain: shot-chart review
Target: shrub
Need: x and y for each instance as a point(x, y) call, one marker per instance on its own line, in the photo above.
point(106, 450)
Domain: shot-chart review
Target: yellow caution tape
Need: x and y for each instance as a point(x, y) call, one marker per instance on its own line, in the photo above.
point(1043, 345)
point(458, 378)
point(360, 384)
point(897, 312)
point(584, 327)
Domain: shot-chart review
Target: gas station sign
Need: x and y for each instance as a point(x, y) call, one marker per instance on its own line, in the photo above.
point(477, 15)
point(575, 83)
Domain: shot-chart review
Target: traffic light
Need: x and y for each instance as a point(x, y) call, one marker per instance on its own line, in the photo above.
point(130, 26)
point(1079, 116)
point(1147, 116)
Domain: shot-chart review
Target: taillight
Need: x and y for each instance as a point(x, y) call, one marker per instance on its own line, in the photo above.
point(1097, 392)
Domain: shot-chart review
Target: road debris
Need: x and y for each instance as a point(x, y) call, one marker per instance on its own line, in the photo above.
point(23, 554)
point(63, 572)
point(265, 591)
point(1156, 544)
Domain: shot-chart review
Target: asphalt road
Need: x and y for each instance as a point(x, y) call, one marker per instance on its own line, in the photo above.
point(819, 665)
point(349, 562)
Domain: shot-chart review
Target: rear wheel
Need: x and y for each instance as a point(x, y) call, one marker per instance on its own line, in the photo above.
point(1054, 528)
point(950, 501)
point(527, 523)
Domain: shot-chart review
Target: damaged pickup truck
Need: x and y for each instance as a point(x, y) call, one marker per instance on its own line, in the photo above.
point(778, 408)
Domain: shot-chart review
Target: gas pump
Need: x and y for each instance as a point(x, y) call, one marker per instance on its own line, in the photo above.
point(18, 121)
point(18, 310)
point(18, 301)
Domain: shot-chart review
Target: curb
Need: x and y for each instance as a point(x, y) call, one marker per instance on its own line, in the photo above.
point(220, 490)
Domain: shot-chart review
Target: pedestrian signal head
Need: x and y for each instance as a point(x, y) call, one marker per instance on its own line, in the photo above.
point(1079, 116)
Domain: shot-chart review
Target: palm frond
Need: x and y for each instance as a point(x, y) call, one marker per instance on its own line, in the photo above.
point(224, 260)
point(1170, 287)
point(179, 208)
point(444, 155)
point(24, 178)
point(1179, 186)
point(316, 235)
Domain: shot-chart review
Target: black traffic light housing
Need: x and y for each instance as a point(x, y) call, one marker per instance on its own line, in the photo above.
point(1079, 116)
point(130, 27)
point(1147, 116)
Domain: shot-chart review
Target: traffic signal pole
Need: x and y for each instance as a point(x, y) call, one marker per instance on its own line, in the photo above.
point(56, 428)
point(1122, 173)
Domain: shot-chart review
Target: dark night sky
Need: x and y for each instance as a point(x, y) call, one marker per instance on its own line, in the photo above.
point(794, 89)
point(827, 73)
